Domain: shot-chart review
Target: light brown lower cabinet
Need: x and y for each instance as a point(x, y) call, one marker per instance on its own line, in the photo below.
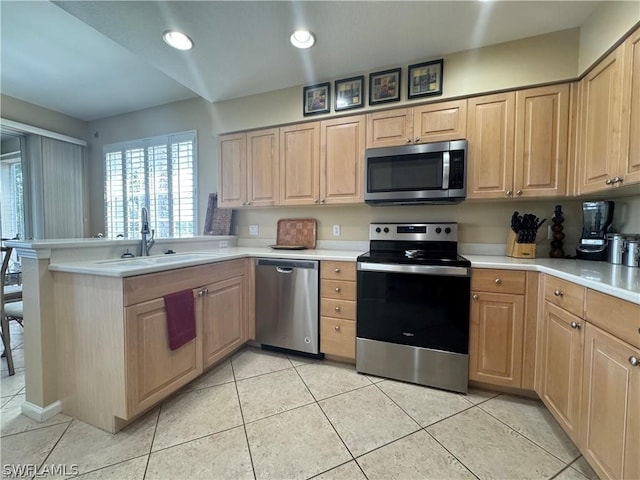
point(115, 362)
point(338, 309)
point(610, 430)
point(561, 349)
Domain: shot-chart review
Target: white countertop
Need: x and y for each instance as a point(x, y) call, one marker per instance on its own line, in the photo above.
point(617, 280)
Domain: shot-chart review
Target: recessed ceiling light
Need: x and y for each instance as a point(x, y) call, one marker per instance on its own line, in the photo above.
point(302, 39)
point(177, 40)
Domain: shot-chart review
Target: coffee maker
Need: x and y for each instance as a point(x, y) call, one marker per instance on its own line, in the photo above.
point(596, 220)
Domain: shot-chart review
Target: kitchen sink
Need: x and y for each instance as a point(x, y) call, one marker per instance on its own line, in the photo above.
point(157, 259)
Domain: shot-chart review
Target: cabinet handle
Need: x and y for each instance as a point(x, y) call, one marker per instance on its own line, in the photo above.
point(337, 289)
point(337, 309)
point(498, 281)
point(575, 325)
point(634, 361)
point(617, 180)
point(408, 140)
point(558, 293)
point(519, 192)
point(475, 296)
point(509, 193)
point(315, 200)
point(417, 139)
point(322, 201)
point(337, 270)
point(608, 181)
point(337, 328)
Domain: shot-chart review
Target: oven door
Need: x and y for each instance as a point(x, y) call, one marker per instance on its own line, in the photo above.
point(414, 305)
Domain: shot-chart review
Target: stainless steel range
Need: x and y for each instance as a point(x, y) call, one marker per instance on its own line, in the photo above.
point(413, 294)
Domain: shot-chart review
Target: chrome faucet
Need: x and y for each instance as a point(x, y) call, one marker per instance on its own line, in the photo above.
point(146, 242)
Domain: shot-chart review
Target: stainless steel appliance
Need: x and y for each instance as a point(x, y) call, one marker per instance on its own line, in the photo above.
point(287, 305)
point(596, 220)
point(412, 174)
point(413, 305)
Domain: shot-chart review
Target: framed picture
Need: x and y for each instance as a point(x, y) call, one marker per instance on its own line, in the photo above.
point(317, 99)
point(425, 79)
point(384, 86)
point(349, 93)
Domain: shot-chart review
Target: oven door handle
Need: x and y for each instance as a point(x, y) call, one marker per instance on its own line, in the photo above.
point(415, 269)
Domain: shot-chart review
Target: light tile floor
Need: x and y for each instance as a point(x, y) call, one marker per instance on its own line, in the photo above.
point(270, 416)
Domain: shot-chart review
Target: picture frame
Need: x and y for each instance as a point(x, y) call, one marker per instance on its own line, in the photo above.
point(424, 79)
point(349, 93)
point(384, 86)
point(316, 99)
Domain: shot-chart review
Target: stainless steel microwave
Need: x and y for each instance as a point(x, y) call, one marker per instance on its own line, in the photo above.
point(414, 174)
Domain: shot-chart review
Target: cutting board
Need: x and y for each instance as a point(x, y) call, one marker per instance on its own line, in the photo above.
point(299, 232)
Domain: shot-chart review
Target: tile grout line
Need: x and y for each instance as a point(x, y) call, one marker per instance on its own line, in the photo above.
point(244, 425)
point(449, 451)
point(533, 441)
point(153, 439)
point(55, 445)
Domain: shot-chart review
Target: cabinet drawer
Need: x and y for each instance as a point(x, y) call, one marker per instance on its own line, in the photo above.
point(339, 289)
point(338, 337)
point(618, 317)
point(338, 270)
point(331, 307)
point(498, 281)
point(565, 294)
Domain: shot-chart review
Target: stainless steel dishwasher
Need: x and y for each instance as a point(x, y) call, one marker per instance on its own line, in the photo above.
point(287, 305)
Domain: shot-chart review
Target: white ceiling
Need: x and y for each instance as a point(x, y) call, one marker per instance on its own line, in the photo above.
point(95, 59)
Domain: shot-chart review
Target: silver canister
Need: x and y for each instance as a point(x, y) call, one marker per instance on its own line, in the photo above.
point(631, 255)
point(615, 248)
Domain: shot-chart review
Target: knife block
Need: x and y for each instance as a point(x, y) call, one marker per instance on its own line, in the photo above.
point(519, 250)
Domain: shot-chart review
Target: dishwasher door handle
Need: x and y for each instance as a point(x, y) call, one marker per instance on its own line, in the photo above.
point(284, 269)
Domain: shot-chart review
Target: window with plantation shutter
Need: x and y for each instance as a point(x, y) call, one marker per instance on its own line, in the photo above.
point(157, 173)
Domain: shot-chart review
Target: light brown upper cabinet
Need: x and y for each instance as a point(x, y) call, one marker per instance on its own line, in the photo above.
point(433, 122)
point(608, 143)
point(490, 132)
point(630, 158)
point(342, 160)
point(300, 164)
point(232, 170)
point(248, 165)
point(518, 143)
point(541, 142)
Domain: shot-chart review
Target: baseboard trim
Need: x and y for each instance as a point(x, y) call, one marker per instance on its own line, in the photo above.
point(41, 414)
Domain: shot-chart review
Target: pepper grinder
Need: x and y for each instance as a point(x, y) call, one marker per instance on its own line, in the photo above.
point(558, 236)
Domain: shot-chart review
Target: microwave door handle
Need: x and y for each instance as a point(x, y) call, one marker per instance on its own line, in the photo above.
point(445, 170)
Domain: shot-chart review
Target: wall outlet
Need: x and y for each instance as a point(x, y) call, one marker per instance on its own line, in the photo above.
point(223, 244)
point(336, 230)
point(253, 230)
point(549, 233)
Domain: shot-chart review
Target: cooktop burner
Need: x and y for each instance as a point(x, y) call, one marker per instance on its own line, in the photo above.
point(414, 244)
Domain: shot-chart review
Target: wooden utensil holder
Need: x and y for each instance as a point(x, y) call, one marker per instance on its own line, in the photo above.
point(519, 250)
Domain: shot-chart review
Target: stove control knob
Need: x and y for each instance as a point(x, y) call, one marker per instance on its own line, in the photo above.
point(378, 230)
point(386, 229)
point(438, 230)
point(447, 230)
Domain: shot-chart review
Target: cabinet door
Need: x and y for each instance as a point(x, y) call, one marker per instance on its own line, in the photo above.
point(300, 164)
point(610, 431)
point(495, 338)
point(342, 160)
point(263, 155)
point(153, 370)
point(542, 139)
point(630, 158)
point(600, 123)
point(224, 318)
point(562, 345)
point(490, 128)
point(232, 170)
point(390, 128)
point(440, 122)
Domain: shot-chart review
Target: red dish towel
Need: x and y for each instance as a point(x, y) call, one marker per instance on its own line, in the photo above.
point(181, 318)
